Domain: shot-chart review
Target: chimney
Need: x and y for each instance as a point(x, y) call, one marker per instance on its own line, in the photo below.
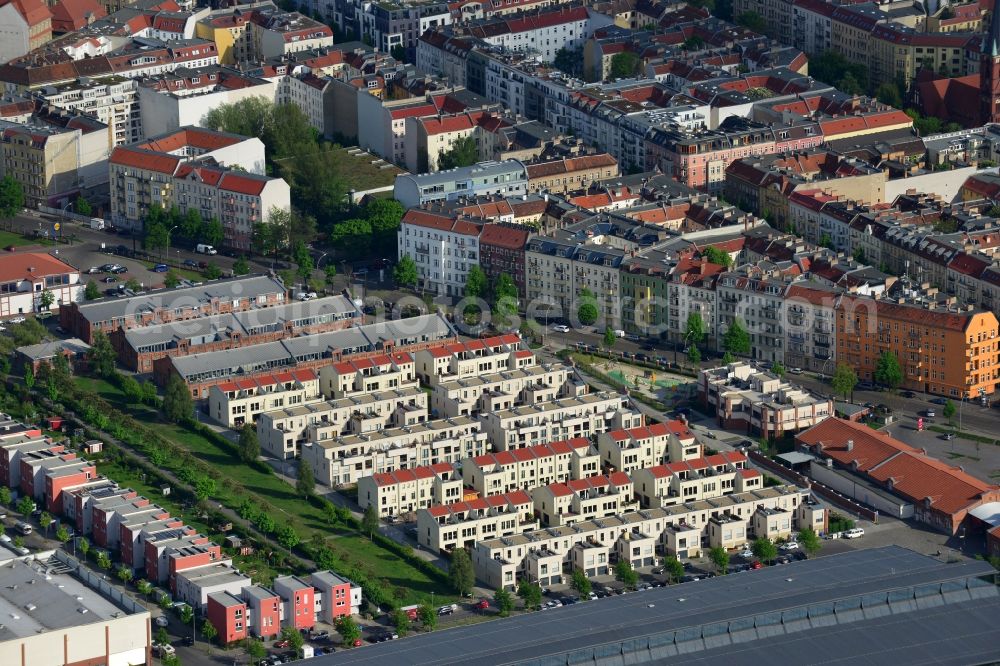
point(850, 445)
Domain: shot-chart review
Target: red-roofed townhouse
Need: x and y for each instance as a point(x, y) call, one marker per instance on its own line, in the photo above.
point(696, 479)
point(529, 467)
point(406, 490)
point(647, 446)
point(442, 528)
point(239, 401)
point(451, 361)
point(298, 599)
point(578, 500)
point(368, 375)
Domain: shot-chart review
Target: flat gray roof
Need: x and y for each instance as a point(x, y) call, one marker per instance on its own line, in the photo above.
point(796, 457)
point(480, 170)
point(890, 597)
point(369, 337)
point(32, 602)
point(107, 309)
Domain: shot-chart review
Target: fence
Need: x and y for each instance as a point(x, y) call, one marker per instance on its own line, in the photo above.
point(99, 583)
point(828, 494)
point(65, 214)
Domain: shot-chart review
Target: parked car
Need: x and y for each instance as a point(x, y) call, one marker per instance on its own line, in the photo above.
point(853, 533)
point(908, 395)
point(929, 413)
point(93, 269)
point(795, 371)
point(948, 436)
point(939, 401)
point(281, 644)
point(865, 386)
point(447, 610)
point(162, 621)
point(10, 248)
point(109, 279)
point(483, 604)
point(560, 328)
point(163, 649)
point(190, 263)
point(160, 268)
point(789, 546)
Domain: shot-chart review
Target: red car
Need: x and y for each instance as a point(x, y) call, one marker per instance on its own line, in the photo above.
point(482, 604)
point(281, 644)
point(756, 565)
point(357, 642)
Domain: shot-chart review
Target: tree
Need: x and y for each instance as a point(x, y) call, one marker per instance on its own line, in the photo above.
point(62, 534)
point(850, 85)
point(29, 377)
point(305, 483)
point(736, 339)
point(177, 402)
point(249, 445)
point(626, 574)
point(405, 272)
point(91, 292)
point(294, 638)
point(428, 617)
point(694, 329)
point(265, 523)
point(25, 506)
point(101, 355)
point(125, 574)
point(4, 495)
point(716, 256)
point(348, 629)
point(19, 541)
point(82, 207)
point(369, 521)
point(204, 487)
point(948, 410)
point(212, 272)
point(567, 61)
point(460, 573)
point(844, 380)
point(330, 272)
point(384, 216)
point(505, 298)
point(11, 197)
point(720, 558)
point(303, 260)
point(149, 392)
point(103, 560)
point(155, 237)
point(144, 586)
point(728, 358)
point(778, 369)
point(353, 236)
point(673, 568)
point(46, 299)
point(476, 283)
point(625, 65)
point(131, 388)
point(504, 601)
point(288, 537)
point(888, 93)
point(764, 549)
point(587, 311)
point(162, 637)
point(208, 631)
point(254, 648)
point(694, 355)
point(530, 593)
point(83, 543)
point(401, 621)
point(693, 43)
point(211, 232)
point(581, 583)
point(171, 279)
point(809, 540)
point(45, 521)
point(887, 370)
point(752, 21)
point(609, 339)
point(241, 266)
point(464, 152)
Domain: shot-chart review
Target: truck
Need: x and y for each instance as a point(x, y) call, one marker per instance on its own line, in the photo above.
point(411, 611)
point(97, 224)
point(202, 248)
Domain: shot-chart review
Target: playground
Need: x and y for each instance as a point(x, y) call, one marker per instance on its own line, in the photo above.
point(664, 386)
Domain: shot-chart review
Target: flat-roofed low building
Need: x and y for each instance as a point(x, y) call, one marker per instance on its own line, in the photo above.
point(637, 548)
point(696, 479)
point(532, 466)
point(727, 531)
point(343, 459)
point(565, 418)
point(139, 348)
point(591, 557)
point(228, 614)
point(195, 585)
point(642, 447)
point(678, 530)
point(336, 596)
point(578, 500)
point(55, 619)
point(444, 527)
point(406, 490)
point(25, 276)
point(240, 401)
point(772, 523)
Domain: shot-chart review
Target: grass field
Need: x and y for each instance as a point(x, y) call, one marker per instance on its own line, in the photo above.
point(360, 174)
point(10, 238)
point(410, 585)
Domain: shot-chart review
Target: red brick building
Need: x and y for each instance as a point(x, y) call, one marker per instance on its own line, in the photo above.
point(265, 610)
point(299, 598)
point(228, 614)
point(57, 481)
point(501, 250)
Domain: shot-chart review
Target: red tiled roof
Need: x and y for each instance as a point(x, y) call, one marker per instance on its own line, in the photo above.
point(141, 159)
point(243, 183)
point(70, 15)
point(504, 236)
point(31, 265)
point(921, 477)
point(870, 447)
point(422, 218)
point(33, 11)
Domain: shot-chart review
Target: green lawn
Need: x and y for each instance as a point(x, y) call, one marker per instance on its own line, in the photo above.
point(11, 238)
point(409, 584)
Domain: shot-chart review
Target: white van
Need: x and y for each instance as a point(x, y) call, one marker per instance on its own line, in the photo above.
point(97, 223)
point(201, 248)
point(24, 528)
point(854, 533)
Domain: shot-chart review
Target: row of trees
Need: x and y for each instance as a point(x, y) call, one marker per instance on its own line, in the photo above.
point(735, 341)
point(160, 225)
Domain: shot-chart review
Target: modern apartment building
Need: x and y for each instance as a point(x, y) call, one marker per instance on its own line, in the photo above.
point(238, 402)
point(467, 359)
point(630, 449)
point(443, 247)
point(372, 374)
point(759, 402)
point(590, 498)
point(506, 178)
point(695, 479)
point(524, 385)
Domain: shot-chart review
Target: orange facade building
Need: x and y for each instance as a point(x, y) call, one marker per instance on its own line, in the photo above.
point(944, 351)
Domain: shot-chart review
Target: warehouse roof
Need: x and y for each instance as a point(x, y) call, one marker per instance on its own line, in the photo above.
point(891, 596)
